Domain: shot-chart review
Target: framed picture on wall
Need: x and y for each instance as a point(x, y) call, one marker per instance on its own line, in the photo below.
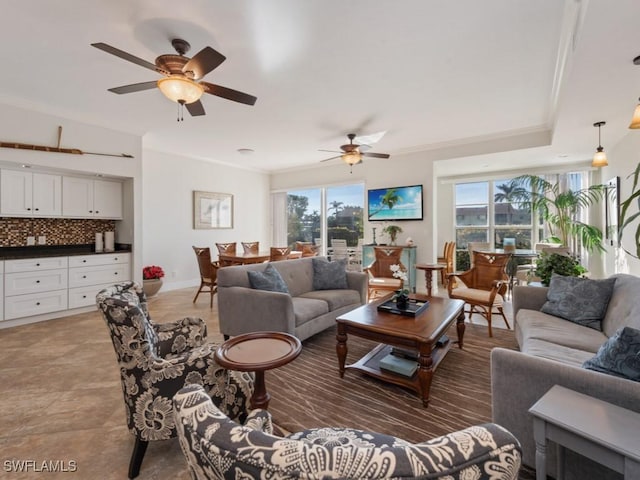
point(212, 210)
point(612, 211)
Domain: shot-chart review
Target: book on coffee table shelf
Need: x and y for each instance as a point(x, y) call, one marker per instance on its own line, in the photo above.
point(414, 307)
point(400, 365)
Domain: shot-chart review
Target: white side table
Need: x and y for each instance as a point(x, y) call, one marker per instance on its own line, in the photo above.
point(603, 432)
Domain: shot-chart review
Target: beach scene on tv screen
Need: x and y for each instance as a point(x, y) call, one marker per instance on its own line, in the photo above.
point(398, 203)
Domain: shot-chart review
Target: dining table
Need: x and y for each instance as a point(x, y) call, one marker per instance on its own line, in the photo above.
point(228, 259)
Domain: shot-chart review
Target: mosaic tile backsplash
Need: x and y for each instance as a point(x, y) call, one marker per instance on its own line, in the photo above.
point(59, 231)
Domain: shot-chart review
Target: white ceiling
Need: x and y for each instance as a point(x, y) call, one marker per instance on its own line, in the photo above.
point(454, 78)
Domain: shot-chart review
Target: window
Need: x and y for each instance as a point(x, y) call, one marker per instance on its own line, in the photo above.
point(472, 210)
point(317, 214)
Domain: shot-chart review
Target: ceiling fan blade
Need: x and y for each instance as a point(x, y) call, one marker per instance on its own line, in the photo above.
point(375, 155)
point(327, 159)
point(330, 151)
point(196, 108)
point(203, 62)
point(134, 87)
point(228, 93)
point(127, 56)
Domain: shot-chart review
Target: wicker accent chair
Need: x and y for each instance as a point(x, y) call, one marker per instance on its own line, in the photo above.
point(277, 254)
point(208, 273)
point(381, 278)
point(157, 360)
point(476, 247)
point(483, 285)
point(251, 247)
point(216, 447)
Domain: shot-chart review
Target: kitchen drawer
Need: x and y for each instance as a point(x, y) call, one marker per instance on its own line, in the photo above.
point(33, 282)
point(34, 264)
point(34, 304)
point(98, 259)
point(85, 296)
point(85, 276)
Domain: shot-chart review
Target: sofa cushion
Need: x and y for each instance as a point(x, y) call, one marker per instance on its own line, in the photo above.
point(580, 300)
point(269, 280)
point(619, 356)
point(329, 275)
point(305, 309)
point(335, 298)
point(624, 307)
point(559, 353)
point(533, 324)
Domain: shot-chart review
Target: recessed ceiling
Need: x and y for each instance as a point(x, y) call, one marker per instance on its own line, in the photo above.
point(451, 78)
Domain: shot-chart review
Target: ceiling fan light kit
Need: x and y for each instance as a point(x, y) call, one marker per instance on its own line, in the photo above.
point(635, 120)
point(180, 89)
point(350, 153)
point(600, 157)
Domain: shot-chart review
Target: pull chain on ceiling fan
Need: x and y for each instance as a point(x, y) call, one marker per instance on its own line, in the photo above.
point(180, 83)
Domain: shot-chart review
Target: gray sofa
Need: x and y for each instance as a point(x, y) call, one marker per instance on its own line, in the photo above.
point(301, 312)
point(552, 351)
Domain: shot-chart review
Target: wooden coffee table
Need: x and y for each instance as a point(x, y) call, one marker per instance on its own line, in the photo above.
point(420, 334)
point(257, 352)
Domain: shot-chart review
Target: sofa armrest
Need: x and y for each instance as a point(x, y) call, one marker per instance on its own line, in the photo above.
point(519, 380)
point(530, 298)
point(358, 281)
point(244, 310)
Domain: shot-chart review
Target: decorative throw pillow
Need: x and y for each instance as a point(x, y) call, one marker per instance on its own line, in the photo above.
point(269, 279)
point(579, 300)
point(329, 275)
point(619, 355)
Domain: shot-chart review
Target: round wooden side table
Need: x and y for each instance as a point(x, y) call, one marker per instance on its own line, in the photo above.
point(258, 352)
point(429, 268)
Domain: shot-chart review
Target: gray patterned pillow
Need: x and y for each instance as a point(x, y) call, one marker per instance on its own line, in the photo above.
point(579, 300)
point(619, 356)
point(329, 275)
point(269, 279)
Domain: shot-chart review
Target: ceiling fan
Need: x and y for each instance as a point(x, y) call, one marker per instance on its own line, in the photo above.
point(181, 76)
point(352, 153)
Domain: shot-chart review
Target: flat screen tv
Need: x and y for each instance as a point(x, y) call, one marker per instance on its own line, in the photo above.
point(395, 203)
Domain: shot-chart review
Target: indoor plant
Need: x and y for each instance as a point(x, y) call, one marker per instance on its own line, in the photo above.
point(402, 295)
point(549, 263)
point(152, 279)
point(559, 209)
point(392, 231)
point(628, 217)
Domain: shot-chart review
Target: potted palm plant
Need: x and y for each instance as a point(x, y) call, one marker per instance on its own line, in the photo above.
point(392, 231)
point(629, 213)
point(559, 209)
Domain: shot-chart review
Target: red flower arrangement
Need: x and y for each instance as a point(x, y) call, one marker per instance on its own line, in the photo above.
point(152, 272)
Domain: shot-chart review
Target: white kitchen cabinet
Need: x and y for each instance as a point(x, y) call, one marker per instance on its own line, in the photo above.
point(88, 274)
point(88, 198)
point(35, 286)
point(26, 194)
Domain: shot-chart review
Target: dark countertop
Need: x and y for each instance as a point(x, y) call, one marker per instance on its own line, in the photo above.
point(39, 251)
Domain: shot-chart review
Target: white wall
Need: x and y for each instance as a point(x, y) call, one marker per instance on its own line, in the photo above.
point(167, 187)
point(410, 169)
point(623, 159)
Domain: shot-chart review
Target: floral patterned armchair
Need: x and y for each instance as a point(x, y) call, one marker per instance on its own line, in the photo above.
point(218, 448)
point(157, 360)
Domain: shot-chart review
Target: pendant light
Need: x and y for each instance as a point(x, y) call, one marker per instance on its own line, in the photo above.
point(635, 120)
point(600, 158)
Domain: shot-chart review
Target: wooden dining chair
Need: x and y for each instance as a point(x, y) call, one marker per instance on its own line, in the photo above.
point(308, 249)
point(228, 249)
point(279, 253)
point(483, 286)
point(381, 277)
point(447, 260)
point(208, 273)
point(251, 247)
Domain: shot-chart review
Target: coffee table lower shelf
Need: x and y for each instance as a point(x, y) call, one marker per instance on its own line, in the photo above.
point(370, 365)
